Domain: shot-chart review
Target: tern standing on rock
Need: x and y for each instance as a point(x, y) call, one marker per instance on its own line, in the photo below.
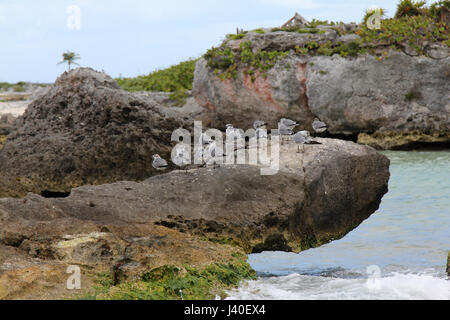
point(302, 138)
point(288, 123)
point(233, 133)
point(259, 124)
point(260, 128)
point(203, 139)
point(182, 156)
point(319, 126)
point(212, 151)
point(286, 128)
point(159, 163)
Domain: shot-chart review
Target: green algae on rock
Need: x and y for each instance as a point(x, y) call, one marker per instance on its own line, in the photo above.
point(169, 282)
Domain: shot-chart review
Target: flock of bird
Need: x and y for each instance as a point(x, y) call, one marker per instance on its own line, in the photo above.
point(209, 149)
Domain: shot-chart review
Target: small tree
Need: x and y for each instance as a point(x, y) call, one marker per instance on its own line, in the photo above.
point(70, 57)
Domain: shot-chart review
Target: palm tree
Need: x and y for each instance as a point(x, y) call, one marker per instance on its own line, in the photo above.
point(69, 57)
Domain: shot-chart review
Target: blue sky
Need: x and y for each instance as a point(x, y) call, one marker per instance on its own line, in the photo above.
point(134, 37)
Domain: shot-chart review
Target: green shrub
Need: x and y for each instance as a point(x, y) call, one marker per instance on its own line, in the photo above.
point(175, 78)
point(18, 87)
point(225, 61)
point(236, 36)
point(415, 31)
point(314, 23)
point(440, 8)
point(409, 8)
point(296, 29)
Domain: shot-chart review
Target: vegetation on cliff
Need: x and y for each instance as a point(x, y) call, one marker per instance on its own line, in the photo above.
point(413, 26)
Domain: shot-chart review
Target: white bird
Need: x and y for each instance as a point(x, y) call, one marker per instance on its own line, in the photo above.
point(302, 138)
point(259, 124)
point(182, 155)
point(288, 123)
point(159, 163)
point(319, 126)
point(212, 152)
point(261, 133)
point(233, 133)
point(204, 139)
point(260, 127)
point(284, 130)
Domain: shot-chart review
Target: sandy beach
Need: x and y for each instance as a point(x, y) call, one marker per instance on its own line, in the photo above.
point(16, 108)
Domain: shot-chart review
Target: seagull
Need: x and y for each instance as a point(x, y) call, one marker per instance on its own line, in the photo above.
point(261, 133)
point(288, 123)
point(319, 126)
point(233, 133)
point(203, 142)
point(159, 163)
point(284, 130)
point(260, 127)
point(302, 138)
point(182, 156)
point(259, 124)
point(212, 151)
point(204, 139)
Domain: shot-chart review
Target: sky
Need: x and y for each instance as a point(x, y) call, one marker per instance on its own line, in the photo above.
point(134, 37)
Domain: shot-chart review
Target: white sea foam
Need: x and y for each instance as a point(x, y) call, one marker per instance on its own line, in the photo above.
point(304, 287)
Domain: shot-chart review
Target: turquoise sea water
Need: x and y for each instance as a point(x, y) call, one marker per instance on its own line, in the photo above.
point(400, 252)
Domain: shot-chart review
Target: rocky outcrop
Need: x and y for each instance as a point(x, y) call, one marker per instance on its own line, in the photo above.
point(395, 95)
point(85, 129)
point(402, 94)
point(126, 229)
point(319, 195)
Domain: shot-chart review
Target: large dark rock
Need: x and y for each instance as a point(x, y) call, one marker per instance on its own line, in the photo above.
point(128, 228)
point(316, 197)
point(85, 129)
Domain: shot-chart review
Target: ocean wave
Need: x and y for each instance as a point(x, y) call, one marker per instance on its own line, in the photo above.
point(397, 286)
